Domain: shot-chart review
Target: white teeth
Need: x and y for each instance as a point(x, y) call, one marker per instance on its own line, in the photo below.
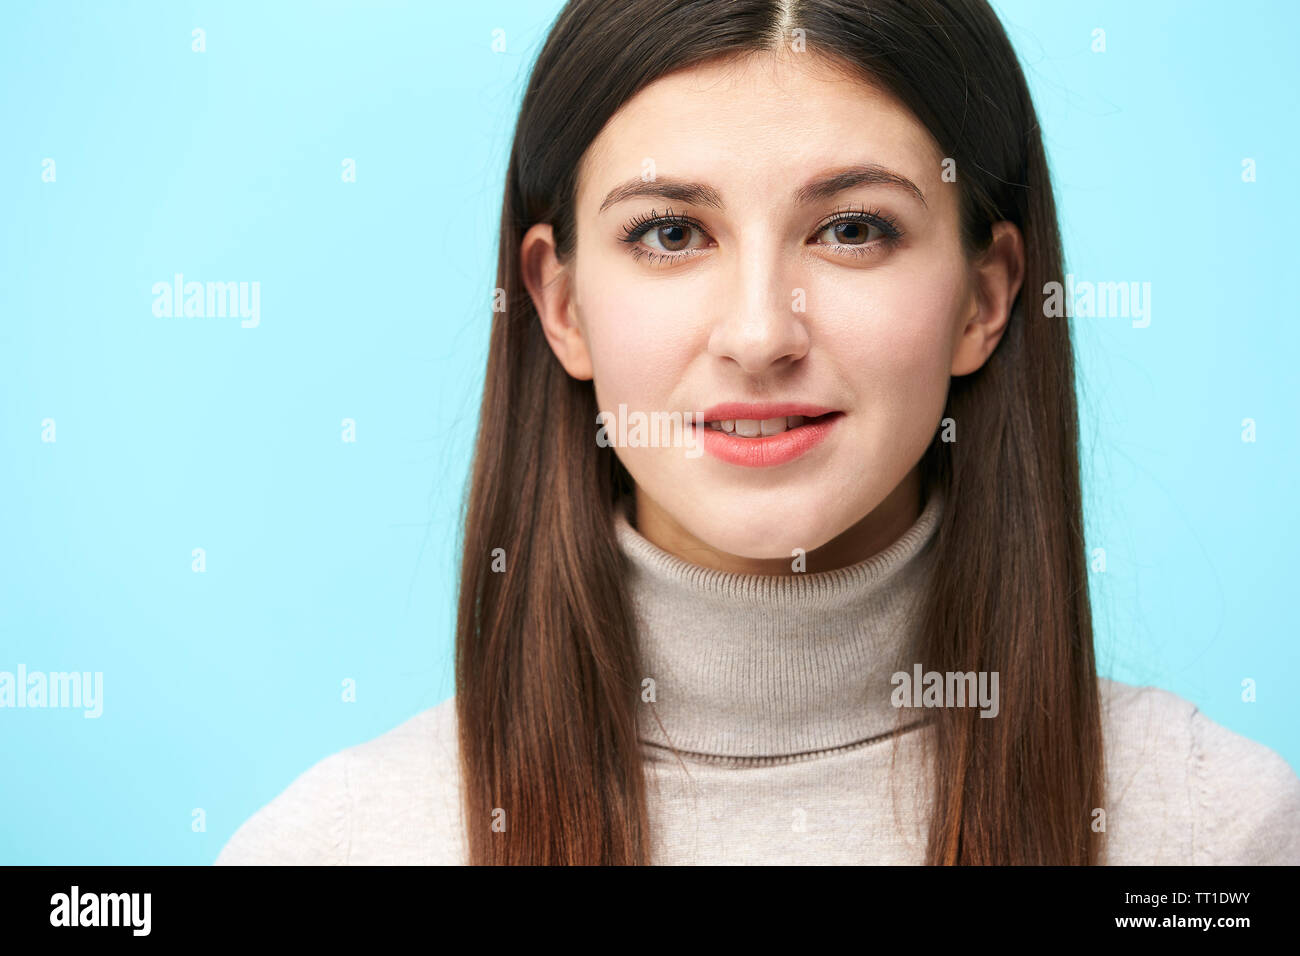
point(753, 428)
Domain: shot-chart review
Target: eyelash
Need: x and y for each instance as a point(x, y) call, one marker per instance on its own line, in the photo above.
point(635, 229)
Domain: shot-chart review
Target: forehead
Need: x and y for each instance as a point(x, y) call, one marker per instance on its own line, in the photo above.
point(757, 126)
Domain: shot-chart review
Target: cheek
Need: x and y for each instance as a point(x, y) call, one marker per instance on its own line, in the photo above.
point(640, 341)
point(893, 335)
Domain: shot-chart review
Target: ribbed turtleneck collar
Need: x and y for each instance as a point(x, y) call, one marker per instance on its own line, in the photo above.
point(753, 666)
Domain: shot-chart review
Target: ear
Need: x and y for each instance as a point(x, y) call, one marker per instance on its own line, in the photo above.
point(997, 274)
point(550, 285)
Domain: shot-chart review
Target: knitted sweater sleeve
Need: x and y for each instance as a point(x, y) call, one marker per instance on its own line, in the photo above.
point(1182, 789)
point(305, 825)
point(394, 799)
point(1246, 799)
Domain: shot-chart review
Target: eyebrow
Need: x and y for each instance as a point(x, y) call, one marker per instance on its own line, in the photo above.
point(823, 187)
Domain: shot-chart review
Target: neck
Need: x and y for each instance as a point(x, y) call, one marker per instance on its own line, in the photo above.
point(764, 666)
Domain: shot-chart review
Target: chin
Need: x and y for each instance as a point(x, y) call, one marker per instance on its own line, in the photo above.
point(763, 540)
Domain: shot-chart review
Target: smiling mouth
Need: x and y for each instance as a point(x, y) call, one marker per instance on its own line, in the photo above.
point(763, 428)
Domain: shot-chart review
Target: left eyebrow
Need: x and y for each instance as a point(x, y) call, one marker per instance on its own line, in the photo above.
point(823, 187)
point(865, 174)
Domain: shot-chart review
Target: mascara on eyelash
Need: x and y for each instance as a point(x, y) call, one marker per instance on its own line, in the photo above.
point(640, 225)
point(635, 229)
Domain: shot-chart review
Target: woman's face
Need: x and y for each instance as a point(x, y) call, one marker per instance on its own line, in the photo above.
point(814, 261)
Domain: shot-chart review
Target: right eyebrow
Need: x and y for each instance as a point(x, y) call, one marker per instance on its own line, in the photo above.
point(664, 187)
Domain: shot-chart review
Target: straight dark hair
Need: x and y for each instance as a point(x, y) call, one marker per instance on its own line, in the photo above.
point(547, 673)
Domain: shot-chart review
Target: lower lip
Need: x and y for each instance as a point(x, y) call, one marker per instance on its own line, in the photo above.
point(770, 450)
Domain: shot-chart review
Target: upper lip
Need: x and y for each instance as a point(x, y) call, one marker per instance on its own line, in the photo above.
point(758, 411)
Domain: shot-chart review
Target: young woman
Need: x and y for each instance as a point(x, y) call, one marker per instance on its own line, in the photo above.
point(831, 604)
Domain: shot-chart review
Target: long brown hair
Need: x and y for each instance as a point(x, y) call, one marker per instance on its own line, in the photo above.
point(547, 678)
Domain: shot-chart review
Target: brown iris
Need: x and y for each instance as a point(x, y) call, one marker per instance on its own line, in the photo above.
point(679, 233)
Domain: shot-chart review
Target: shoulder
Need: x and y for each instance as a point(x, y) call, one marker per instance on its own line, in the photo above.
point(1184, 789)
point(394, 799)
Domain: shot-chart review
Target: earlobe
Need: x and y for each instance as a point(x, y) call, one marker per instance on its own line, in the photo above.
point(997, 275)
point(549, 285)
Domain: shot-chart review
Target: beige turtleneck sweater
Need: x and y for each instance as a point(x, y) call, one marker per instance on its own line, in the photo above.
point(777, 693)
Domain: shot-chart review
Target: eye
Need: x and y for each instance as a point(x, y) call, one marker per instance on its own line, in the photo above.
point(852, 232)
point(663, 238)
point(858, 233)
point(672, 238)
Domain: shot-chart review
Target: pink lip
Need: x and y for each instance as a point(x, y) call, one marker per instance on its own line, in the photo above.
point(772, 449)
point(758, 412)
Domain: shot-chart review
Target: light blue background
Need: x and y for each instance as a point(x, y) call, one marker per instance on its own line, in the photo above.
point(329, 560)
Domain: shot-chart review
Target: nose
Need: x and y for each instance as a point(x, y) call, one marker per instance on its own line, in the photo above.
point(762, 324)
